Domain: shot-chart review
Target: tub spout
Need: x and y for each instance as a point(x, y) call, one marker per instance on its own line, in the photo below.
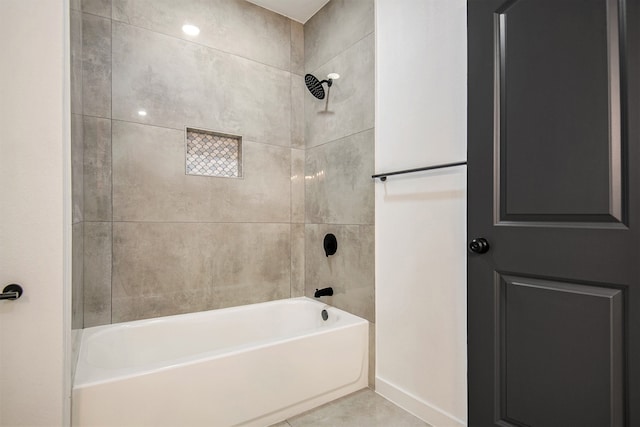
point(323, 292)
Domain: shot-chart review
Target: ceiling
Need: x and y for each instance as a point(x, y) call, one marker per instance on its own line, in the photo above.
point(298, 10)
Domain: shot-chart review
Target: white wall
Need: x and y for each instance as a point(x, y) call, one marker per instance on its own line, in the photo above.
point(420, 218)
point(34, 212)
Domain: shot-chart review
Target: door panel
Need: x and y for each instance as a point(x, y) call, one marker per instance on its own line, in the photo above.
point(555, 98)
point(545, 329)
point(553, 160)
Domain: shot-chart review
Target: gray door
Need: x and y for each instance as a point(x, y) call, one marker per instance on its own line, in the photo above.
point(554, 188)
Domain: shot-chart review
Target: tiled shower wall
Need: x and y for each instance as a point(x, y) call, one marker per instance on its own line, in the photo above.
point(339, 157)
point(77, 161)
point(156, 241)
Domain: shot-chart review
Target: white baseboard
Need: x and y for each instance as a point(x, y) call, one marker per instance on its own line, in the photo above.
point(416, 406)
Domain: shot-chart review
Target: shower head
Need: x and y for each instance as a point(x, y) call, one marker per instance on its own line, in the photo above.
point(315, 86)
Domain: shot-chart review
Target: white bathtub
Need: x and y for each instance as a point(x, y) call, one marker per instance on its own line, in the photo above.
point(252, 366)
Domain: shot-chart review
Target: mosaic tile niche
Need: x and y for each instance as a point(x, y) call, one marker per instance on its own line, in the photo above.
point(210, 153)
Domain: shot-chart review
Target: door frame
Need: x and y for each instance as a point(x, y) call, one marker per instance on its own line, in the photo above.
point(36, 215)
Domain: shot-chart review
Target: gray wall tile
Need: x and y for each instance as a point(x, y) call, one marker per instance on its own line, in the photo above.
point(298, 91)
point(77, 162)
point(350, 271)
point(297, 186)
point(149, 181)
point(335, 28)
point(75, 33)
point(212, 265)
point(297, 260)
point(75, 5)
point(297, 47)
point(96, 65)
point(97, 169)
point(338, 187)
point(97, 273)
point(233, 26)
point(127, 308)
point(77, 276)
point(97, 7)
point(180, 83)
point(350, 106)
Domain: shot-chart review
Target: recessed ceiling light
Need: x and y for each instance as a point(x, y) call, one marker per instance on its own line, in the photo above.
point(190, 30)
point(142, 113)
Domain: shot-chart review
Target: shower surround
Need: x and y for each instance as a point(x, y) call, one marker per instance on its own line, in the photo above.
point(150, 240)
point(339, 158)
point(160, 242)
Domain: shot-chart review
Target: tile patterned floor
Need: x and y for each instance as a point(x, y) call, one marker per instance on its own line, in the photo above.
point(363, 408)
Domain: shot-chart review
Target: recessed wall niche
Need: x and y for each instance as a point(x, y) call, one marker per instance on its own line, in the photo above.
point(211, 153)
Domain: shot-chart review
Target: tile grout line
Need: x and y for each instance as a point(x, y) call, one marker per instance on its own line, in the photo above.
point(84, 293)
point(291, 202)
point(91, 14)
point(111, 172)
point(342, 137)
point(233, 222)
point(291, 131)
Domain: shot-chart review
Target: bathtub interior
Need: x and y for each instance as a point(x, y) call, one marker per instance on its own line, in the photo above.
point(115, 351)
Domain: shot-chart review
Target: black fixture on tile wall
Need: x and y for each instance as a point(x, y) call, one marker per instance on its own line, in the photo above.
point(315, 86)
point(330, 244)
